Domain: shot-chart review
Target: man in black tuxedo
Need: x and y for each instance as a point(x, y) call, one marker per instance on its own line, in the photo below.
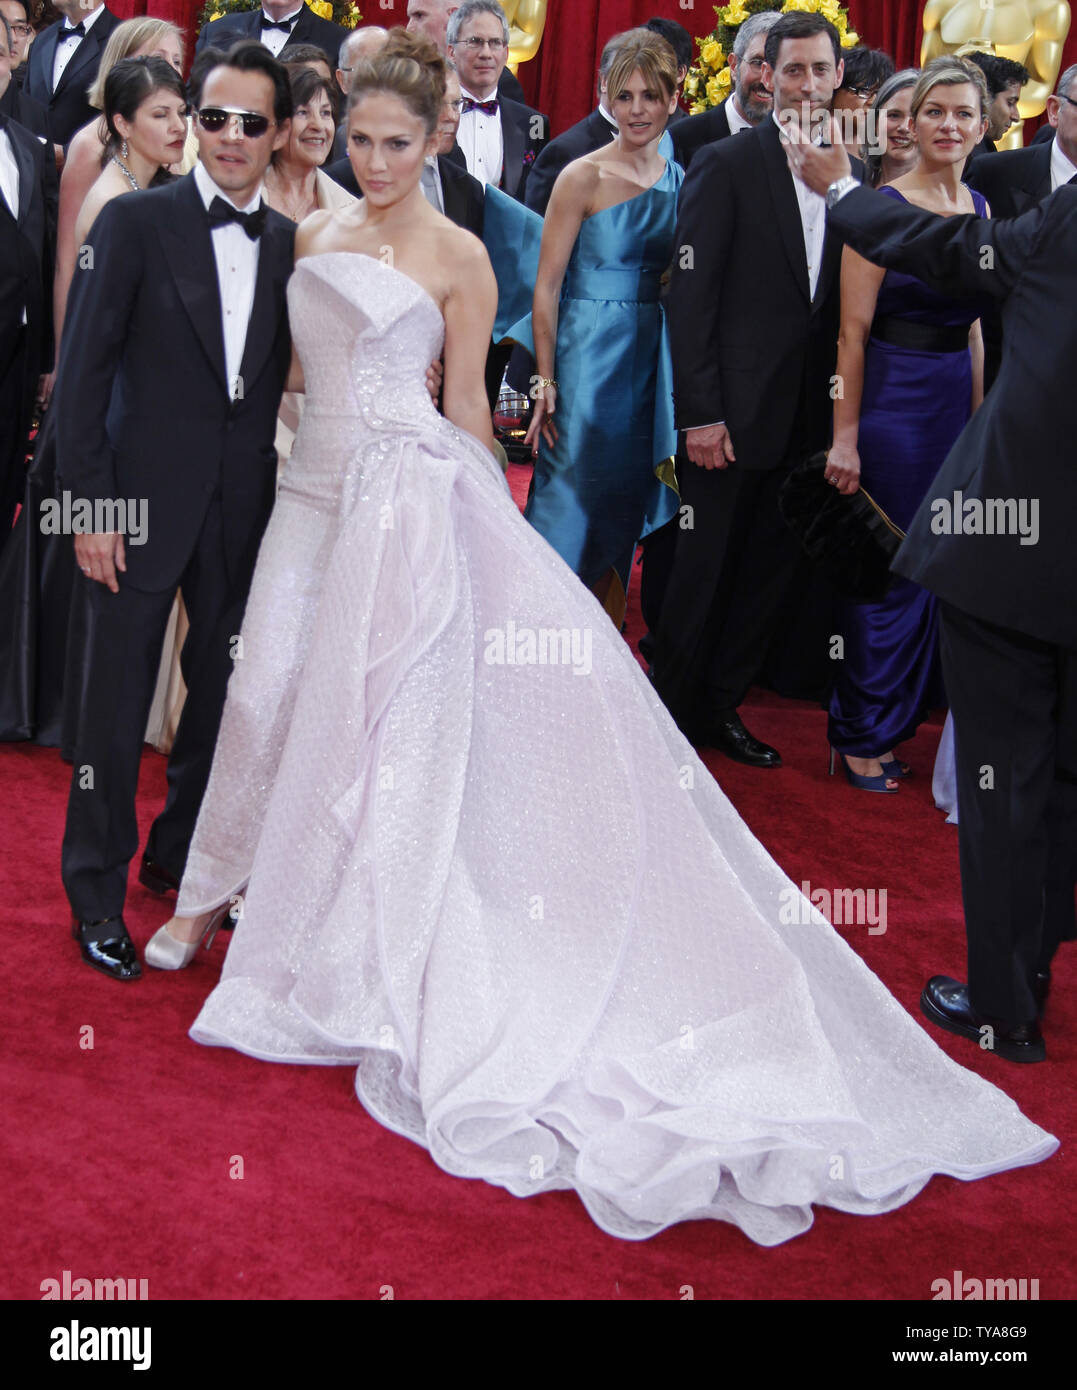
point(14, 102)
point(1013, 181)
point(748, 104)
point(174, 357)
point(279, 24)
point(591, 133)
point(994, 540)
point(63, 63)
point(28, 201)
point(753, 310)
point(501, 139)
point(431, 17)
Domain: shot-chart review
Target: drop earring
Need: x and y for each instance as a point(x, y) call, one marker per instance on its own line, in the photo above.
point(123, 151)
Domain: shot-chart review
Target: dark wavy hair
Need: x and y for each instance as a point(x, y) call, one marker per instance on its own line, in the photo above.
point(129, 83)
point(307, 83)
point(247, 55)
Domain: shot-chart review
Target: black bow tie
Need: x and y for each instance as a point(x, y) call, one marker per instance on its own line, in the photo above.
point(75, 31)
point(253, 223)
point(285, 24)
point(488, 108)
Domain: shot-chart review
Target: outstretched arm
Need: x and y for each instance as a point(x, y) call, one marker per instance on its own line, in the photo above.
point(962, 255)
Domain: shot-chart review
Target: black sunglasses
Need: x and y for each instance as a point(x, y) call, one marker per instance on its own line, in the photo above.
point(213, 118)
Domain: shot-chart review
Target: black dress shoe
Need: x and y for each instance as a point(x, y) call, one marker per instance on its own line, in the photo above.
point(946, 1002)
point(729, 736)
point(156, 877)
point(106, 946)
point(1041, 986)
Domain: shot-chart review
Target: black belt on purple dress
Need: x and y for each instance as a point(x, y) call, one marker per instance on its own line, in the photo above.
point(919, 337)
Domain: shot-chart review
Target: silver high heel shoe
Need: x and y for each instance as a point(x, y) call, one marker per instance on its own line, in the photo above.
point(164, 952)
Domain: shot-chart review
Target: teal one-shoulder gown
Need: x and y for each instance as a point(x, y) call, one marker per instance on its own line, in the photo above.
point(596, 491)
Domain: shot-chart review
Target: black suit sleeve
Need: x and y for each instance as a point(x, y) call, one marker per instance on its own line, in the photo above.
point(963, 255)
point(543, 176)
point(50, 188)
point(704, 233)
point(99, 309)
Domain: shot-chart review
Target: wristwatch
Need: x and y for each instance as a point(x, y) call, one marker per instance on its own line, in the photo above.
point(839, 188)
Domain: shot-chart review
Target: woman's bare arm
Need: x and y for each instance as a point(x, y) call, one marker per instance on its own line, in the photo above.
point(469, 322)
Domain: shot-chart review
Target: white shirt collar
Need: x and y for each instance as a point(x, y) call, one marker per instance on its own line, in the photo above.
point(1062, 168)
point(494, 95)
point(283, 17)
point(209, 190)
point(87, 20)
point(735, 119)
point(606, 114)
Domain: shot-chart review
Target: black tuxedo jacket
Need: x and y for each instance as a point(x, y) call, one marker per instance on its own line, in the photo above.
point(750, 347)
point(525, 133)
point(591, 133)
point(464, 196)
point(690, 135)
point(27, 243)
point(308, 28)
point(67, 107)
point(30, 114)
point(1046, 132)
point(1020, 443)
point(142, 403)
point(508, 85)
point(1012, 181)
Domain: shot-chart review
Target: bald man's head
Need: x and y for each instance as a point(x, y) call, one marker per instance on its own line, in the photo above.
point(360, 43)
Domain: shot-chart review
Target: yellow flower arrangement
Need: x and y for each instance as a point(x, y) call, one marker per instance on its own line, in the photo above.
point(709, 82)
point(343, 12)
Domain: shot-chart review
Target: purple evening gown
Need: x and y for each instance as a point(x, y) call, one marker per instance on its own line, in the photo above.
point(916, 402)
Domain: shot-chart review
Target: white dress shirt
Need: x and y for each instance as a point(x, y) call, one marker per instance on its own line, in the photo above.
point(237, 270)
point(66, 51)
point(813, 220)
point(275, 39)
point(9, 182)
point(481, 140)
point(1062, 169)
point(9, 175)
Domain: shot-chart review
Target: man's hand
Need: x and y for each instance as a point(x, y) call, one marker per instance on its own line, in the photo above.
point(710, 447)
point(818, 165)
point(434, 374)
point(99, 555)
point(45, 384)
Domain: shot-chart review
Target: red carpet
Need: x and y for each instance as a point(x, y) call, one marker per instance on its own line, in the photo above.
point(132, 1152)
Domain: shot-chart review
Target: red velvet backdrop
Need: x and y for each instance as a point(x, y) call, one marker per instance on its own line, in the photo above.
point(560, 81)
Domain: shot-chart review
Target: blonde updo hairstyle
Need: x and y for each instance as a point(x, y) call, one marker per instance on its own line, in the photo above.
point(407, 66)
point(648, 52)
point(948, 71)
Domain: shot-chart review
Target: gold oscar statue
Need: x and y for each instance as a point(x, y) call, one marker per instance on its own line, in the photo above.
point(527, 19)
point(1031, 32)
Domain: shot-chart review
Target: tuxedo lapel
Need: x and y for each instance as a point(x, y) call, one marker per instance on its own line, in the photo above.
point(1040, 183)
point(514, 142)
point(275, 264)
point(786, 207)
point(27, 173)
point(188, 248)
point(85, 53)
point(301, 29)
point(46, 55)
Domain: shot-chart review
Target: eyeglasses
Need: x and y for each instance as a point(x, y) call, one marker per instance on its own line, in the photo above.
point(212, 118)
point(454, 105)
point(1063, 97)
point(21, 31)
point(477, 45)
point(864, 93)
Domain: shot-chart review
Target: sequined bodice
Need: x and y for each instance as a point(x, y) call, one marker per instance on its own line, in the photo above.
point(365, 334)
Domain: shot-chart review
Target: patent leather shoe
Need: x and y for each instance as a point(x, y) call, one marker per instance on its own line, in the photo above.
point(728, 734)
point(107, 947)
point(156, 877)
point(946, 1003)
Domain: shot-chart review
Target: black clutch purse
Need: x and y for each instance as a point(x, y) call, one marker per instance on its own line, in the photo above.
point(850, 538)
